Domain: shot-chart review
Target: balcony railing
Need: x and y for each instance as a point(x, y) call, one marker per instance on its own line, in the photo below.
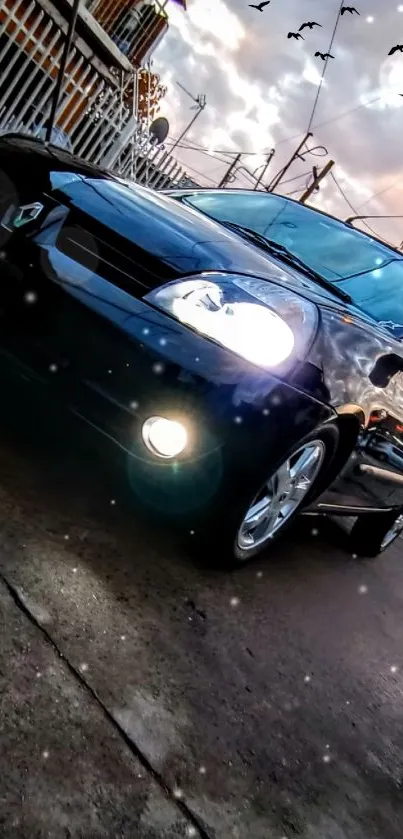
point(135, 26)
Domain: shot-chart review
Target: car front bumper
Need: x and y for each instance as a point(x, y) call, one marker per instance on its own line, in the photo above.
point(241, 420)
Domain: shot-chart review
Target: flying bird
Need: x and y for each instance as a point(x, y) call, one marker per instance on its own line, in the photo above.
point(259, 6)
point(323, 55)
point(310, 24)
point(350, 9)
point(295, 35)
point(397, 48)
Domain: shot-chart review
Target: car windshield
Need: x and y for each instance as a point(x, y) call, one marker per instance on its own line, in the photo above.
point(368, 271)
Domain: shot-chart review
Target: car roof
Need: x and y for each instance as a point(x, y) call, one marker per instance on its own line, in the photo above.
point(28, 142)
point(192, 191)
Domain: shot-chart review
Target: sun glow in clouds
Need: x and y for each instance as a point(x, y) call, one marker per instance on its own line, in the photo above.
point(395, 76)
point(210, 17)
point(218, 139)
point(260, 89)
point(391, 82)
point(311, 73)
point(214, 18)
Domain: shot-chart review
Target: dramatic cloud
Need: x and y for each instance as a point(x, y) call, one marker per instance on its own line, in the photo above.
point(261, 87)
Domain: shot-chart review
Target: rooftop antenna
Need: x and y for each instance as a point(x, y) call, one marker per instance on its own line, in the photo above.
point(200, 104)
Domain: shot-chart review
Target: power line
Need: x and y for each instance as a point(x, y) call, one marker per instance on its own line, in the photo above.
point(201, 149)
point(341, 190)
point(215, 152)
point(297, 153)
point(206, 149)
point(324, 67)
point(306, 175)
point(381, 192)
point(347, 200)
point(247, 175)
point(346, 113)
point(293, 192)
point(202, 174)
point(295, 178)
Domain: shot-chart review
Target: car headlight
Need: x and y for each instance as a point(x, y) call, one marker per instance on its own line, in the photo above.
point(264, 323)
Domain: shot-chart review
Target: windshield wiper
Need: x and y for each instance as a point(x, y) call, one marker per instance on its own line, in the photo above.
point(276, 249)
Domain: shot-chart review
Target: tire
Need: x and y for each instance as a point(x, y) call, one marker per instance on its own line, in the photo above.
point(372, 535)
point(231, 544)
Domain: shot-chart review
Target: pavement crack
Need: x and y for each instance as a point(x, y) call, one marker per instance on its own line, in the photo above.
point(135, 750)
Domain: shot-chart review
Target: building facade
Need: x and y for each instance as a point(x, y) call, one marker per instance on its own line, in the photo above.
point(97, 114)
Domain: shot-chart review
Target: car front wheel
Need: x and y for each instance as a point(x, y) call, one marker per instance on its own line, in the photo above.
point(277, 500)
point(372, 535)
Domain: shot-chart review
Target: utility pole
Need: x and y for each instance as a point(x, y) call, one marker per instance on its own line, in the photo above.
point(265, 168)
point(62, 69)
point(279, 177)
point(316, 181)
point(229, 171)
point(201, 102)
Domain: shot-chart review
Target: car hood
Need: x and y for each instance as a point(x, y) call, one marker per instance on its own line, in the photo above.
point(165, 240)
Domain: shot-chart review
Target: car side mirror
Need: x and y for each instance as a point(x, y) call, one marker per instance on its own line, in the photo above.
point(385, 368)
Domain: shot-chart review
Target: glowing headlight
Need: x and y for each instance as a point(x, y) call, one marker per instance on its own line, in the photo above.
point(250, 330)
point(262, 322)
point(164, 437)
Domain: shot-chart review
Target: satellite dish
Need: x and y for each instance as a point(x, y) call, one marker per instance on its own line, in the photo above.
point(159, 130)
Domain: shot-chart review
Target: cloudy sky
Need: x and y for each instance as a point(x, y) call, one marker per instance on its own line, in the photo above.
point(261, 87)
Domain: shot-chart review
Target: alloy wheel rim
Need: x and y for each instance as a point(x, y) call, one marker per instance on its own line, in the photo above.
point(280, 496)
point(392, 533)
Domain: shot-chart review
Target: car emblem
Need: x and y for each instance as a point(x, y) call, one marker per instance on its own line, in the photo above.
point(26, 214)
point(16, 217)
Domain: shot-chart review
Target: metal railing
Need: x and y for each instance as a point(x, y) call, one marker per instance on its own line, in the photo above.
point(93, 114)
point(149, 164)
point(135, 26)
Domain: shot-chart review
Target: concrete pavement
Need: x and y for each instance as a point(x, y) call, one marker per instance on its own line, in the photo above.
point(257, 705)
point(65, 771)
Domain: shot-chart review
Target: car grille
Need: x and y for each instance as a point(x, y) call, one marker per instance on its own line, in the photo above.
point(104, 252)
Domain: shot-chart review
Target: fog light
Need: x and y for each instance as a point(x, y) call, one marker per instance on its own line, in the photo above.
point(164, 437)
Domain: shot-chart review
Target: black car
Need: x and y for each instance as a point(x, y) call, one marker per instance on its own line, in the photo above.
point(240, 375)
